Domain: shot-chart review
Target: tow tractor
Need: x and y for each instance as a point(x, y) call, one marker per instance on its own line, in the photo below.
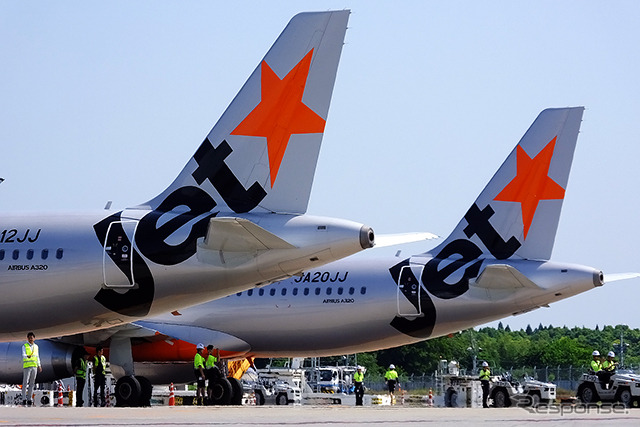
point(623, 387)
point(530, 392)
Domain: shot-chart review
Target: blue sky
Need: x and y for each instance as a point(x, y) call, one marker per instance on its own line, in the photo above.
point(107, 101)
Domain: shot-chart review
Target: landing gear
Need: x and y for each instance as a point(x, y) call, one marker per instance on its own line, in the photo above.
point(133, 391)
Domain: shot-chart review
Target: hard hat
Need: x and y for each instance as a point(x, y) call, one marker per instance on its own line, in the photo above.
point(200, 346)
point(595, 353)
point(391, 366)
point(611, 354)
point(484, 364)
point(359, 368)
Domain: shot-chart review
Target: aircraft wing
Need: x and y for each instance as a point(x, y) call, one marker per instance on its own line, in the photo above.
point(384, 240)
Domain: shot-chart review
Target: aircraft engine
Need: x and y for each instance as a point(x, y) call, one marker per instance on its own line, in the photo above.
point(56, 360)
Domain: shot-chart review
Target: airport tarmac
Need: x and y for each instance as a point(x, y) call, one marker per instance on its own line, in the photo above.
point(314, 416)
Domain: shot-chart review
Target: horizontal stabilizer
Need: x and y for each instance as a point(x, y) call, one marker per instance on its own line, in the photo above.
point(619, 276)
point(502, 276)
point(240, 235)
point(384, 240)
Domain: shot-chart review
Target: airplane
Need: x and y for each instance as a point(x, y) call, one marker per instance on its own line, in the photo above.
point(495, 263)
point(234, 217)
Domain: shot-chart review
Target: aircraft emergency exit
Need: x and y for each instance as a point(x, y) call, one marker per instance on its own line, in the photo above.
point(231, 220)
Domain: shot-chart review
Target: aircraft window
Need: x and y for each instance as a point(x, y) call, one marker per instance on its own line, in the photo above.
point(283, 292)
point(59, 253)
point(239, 294)
point(363, 290)
point(272, 292)
point(30, 254)
point(306, 291)
point(16, 254)
point(317, 291)
point(261, 292)
point(328, 291)
point(340, 290)
point(250, 292)
point(295, 291)
point(1, 254)
point(44, 254)
point(351, 291)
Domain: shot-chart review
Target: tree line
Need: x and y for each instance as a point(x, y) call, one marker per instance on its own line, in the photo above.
point(503, 349)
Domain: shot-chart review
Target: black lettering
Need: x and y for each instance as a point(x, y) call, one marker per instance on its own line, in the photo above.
point(32, 240)
point(325, 276)
point(434, 278)
point(211, 166)
point(346, 273)
point(316, 277)
point(307, 277)
point(24, 238)
point(12, 233)
point(479, 224)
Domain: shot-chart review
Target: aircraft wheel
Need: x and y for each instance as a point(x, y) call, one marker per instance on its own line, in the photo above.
point(500, 399)
point(146, 388)
point(236, 391)
point(282, 399)
point(221, 391)
point(128, 391)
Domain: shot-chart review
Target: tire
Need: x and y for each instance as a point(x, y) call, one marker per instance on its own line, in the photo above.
point(146, 389)
point(625, 397)
point(236, 391)
point(128, 392)
point(587, 394)
point(534, 400)
point(221, 391)
point(282, 399)
point(452, 398)
point(259, 397)
point(500, 399)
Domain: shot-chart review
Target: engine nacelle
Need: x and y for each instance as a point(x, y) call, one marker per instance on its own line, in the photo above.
point(56, 360)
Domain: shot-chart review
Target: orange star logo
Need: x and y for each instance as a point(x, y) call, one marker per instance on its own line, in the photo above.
point(532, 183)
point(281, 112)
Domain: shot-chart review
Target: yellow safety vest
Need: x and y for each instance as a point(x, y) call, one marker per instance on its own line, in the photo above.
point(81, 372)
point(595, 365)
point(485, 374)
point(358, 377)
point(391, 375)
point(31, 361)
point(103, 361)
point(198, 362)
point(211, 361)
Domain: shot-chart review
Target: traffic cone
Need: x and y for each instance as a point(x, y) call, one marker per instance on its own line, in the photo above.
point(172, 397)
point(60, 397)
point(430, 401)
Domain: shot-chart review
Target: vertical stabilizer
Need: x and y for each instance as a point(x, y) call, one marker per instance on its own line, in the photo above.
point(517, 213)
point(261, 155)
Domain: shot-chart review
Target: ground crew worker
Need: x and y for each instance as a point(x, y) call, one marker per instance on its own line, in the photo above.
point(485, 376)
point(391, 376)
point(211, 371)
point(198, 370)
point(81, 377)
point(99, 376)
point(608, 369)
point(30, 368)
point(358, 382)
point(595, 363)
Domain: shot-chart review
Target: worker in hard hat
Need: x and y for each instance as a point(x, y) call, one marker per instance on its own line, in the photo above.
point(485, 376)
point(608, 369)
point(595, 363)
point(358, 383)
point(391, 376)
point(198, 370)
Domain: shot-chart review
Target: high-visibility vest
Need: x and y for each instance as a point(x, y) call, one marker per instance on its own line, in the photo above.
point(81, 372)
point(485, 374)
point(608, 366)
point(358, 377)
point(31, 360)
point(596, 366)
point(391, 375)
point(198, 362)
point(103, 362)
point(211, 361)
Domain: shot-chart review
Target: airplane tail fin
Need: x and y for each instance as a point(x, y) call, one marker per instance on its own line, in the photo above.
point(261, 155)
point(517, 213)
